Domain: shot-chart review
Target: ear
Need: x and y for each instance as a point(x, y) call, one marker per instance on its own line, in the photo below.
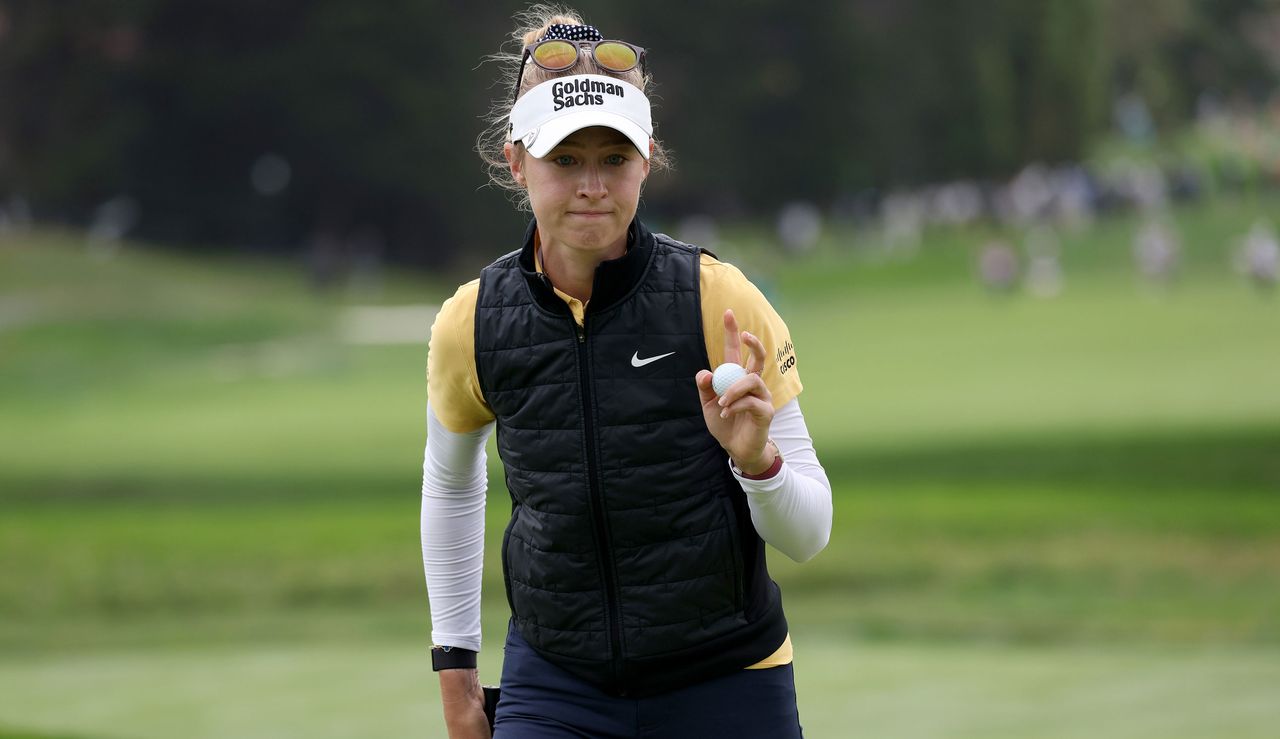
point(515, 160)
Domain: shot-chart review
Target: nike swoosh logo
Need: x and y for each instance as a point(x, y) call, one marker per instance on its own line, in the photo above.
point(636, 361)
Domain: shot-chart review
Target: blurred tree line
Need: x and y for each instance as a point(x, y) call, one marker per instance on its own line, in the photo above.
point(333, 125)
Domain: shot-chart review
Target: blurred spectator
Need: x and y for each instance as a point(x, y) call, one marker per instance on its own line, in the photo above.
point(1185, 182)
point(1259, 256)
point(1074, 197)
point(1209, 109)
point(799, 226)
point(366, 248)
point(956, 203)
point(15, 215)
point(1044, 269)
point(998, 267)
point(1144, 185)
point(111, 221)
point(1133, 118)
point(699, 228)
point(1156, 251)
point(855, 209)
point(324, 259)
point(1027, 197)
point(902, 215)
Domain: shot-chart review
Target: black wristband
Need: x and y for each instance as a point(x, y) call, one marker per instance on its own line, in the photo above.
point(452, 658)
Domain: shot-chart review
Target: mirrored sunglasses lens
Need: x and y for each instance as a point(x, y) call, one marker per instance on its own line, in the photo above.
point(615, 57)
point(556, 55)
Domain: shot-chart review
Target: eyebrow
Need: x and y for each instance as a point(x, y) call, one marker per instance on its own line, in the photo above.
point(620, 141)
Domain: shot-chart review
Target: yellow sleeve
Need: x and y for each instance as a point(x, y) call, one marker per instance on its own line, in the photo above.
point(724, 286)
point(453, 387)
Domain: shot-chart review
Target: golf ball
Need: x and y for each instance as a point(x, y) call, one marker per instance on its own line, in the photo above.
point(725, 375)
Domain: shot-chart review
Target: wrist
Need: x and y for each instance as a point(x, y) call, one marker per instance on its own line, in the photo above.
point(763, 467)
point(459, 686)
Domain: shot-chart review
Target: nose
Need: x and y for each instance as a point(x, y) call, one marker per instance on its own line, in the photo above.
point(592, 183)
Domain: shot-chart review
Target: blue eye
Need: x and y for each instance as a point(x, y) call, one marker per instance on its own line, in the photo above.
point(616, 159)
point(564, 160)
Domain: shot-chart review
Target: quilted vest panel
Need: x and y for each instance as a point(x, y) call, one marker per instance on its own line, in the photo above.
point(630, 549)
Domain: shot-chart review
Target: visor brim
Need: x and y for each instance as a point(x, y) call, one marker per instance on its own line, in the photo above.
point(556, 130)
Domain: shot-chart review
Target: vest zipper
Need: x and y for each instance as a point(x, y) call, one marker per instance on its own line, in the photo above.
point(603, 545)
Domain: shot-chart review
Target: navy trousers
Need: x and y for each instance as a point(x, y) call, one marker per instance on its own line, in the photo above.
point(542, 701)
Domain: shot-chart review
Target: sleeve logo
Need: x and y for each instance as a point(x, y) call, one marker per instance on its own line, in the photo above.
point(785, 357)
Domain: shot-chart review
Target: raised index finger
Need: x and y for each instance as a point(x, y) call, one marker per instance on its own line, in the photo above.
point(756, 353)
point(732, 341)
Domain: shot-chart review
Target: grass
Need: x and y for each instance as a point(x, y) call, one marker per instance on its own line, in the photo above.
point(901, 690)
point(1053, 517)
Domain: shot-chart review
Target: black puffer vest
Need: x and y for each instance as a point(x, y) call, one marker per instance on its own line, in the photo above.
point(630, 559)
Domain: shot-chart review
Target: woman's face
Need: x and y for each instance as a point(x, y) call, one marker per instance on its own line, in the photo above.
point(585, 191)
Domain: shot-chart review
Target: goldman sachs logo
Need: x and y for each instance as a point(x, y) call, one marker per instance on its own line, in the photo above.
point(582, 92)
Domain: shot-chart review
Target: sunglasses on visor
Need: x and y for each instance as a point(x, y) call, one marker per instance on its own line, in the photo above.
point(557, 55)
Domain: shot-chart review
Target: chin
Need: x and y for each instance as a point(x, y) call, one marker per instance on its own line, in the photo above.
point(600, 236)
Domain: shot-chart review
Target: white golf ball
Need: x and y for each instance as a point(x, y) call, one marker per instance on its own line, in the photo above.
point(725, 375)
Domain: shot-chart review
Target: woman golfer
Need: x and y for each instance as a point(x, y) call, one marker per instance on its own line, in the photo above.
point(634, 560)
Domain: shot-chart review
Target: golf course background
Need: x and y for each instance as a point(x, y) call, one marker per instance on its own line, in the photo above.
point(1055, 517)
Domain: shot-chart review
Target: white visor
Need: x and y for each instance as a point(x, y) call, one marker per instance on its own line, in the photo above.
point(556, 108)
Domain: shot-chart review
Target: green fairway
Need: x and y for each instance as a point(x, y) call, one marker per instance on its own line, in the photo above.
point(1054, 517)
point(906, 691)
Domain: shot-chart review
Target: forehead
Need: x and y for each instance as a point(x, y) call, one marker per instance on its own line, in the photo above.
point(596, 136)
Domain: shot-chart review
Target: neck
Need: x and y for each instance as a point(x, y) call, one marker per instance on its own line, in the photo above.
point(573, 271)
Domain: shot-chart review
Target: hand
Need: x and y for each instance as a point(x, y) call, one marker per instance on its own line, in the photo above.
point(463, 701)
point(740, 418)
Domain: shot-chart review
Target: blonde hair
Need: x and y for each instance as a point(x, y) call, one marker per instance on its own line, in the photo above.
point(531, 25)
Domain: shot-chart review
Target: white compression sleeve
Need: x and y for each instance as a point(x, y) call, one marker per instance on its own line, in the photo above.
point(792, 510)
point(454, 480)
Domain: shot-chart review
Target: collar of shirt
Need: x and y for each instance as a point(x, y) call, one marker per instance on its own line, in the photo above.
point(577, 307)
point(614, 279)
